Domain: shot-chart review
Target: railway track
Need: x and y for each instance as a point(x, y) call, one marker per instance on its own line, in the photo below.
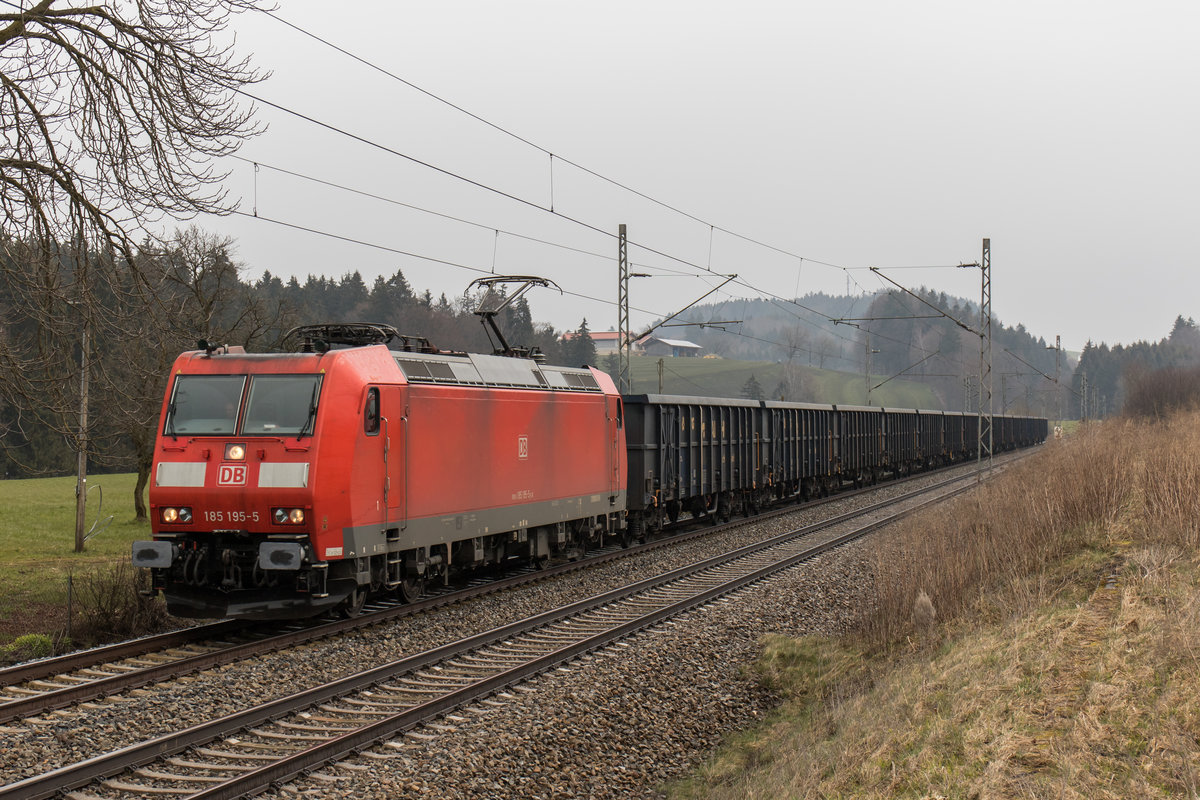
point(249, 750)
point(27, 690)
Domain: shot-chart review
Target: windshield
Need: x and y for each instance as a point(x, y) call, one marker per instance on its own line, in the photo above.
point(205, 404)
point(282, 404)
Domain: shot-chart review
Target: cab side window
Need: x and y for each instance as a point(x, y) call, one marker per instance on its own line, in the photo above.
point(371, 412)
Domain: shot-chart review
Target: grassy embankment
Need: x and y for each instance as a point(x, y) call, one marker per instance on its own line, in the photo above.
point(1059, 657)
point(37, 546)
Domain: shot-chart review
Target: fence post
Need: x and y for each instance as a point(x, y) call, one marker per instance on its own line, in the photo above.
point(70, 604)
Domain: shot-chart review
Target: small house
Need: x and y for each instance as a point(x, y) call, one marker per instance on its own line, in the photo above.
point(676, 348)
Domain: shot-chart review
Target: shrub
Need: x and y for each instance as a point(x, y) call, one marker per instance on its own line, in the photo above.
point(1140, 478)
point(1159, 393)
point(109, 604)
point(27, 647)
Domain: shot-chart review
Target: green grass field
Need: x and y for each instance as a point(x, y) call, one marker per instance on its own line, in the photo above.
point(37, 548)
point(37, 519)
point(37, 545)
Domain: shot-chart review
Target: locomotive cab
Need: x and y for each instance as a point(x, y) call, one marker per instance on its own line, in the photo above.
point(231, 500)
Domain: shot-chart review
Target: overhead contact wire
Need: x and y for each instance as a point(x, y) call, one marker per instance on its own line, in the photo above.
point(410, 254)
point(535, 146)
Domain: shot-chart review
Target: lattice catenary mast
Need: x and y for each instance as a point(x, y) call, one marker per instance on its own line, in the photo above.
point(985, 357)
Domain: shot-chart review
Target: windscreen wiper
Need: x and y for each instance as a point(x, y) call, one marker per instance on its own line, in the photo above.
point(312, 414)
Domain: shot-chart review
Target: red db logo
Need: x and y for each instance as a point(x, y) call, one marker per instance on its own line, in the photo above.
point(522, 447)
point(231, 475)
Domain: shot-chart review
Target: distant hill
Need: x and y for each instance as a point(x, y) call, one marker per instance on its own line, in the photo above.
point(909, 343)
point(727, 377)
point(770, 330)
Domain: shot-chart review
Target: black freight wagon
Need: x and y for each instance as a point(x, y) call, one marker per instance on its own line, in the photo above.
point(716, 457)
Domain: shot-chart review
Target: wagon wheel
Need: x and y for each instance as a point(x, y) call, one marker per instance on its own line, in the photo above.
point(724, 512)
point(354, 603)
point(411, 589)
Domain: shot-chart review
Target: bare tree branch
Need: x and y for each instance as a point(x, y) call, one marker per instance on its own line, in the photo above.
point(113, 115)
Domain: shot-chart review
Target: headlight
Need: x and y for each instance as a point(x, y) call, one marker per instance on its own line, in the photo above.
point(288, 516)
point(235, 452)
point(180, 514)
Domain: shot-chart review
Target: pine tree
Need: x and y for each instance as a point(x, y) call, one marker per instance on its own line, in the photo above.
point(518, 324)
point(612, 365)
point(752, 389)
point(581, 350)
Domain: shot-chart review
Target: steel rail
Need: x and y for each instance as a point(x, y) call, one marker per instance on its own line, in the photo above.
point(80, 659)
point(92, 657)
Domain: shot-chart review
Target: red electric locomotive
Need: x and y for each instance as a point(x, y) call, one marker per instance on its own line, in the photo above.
point(287, 484)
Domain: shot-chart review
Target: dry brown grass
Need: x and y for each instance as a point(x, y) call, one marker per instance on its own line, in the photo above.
point(1041, 510)
point(1064, 659)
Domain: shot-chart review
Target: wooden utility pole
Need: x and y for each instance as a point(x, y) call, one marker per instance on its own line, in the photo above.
point(81, 464)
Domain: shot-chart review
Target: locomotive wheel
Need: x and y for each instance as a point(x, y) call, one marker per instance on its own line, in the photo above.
point(354, 603)
point(634, 531)
point(411, 589)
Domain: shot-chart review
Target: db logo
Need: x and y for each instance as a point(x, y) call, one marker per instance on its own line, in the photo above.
point(231, 475)
point(522, 447)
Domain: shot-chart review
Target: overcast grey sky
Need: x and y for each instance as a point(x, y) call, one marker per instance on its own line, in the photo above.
point(861, 134)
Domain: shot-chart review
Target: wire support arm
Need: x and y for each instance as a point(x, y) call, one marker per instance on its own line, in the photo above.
point(656, 326)
point(911, 293)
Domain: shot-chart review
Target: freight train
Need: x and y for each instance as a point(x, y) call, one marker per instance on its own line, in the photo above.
point(289, 484)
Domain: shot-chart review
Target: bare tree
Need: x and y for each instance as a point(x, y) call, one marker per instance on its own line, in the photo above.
point(113, 114)
point(825, 348)
point(795, 341)
point(793, 383)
